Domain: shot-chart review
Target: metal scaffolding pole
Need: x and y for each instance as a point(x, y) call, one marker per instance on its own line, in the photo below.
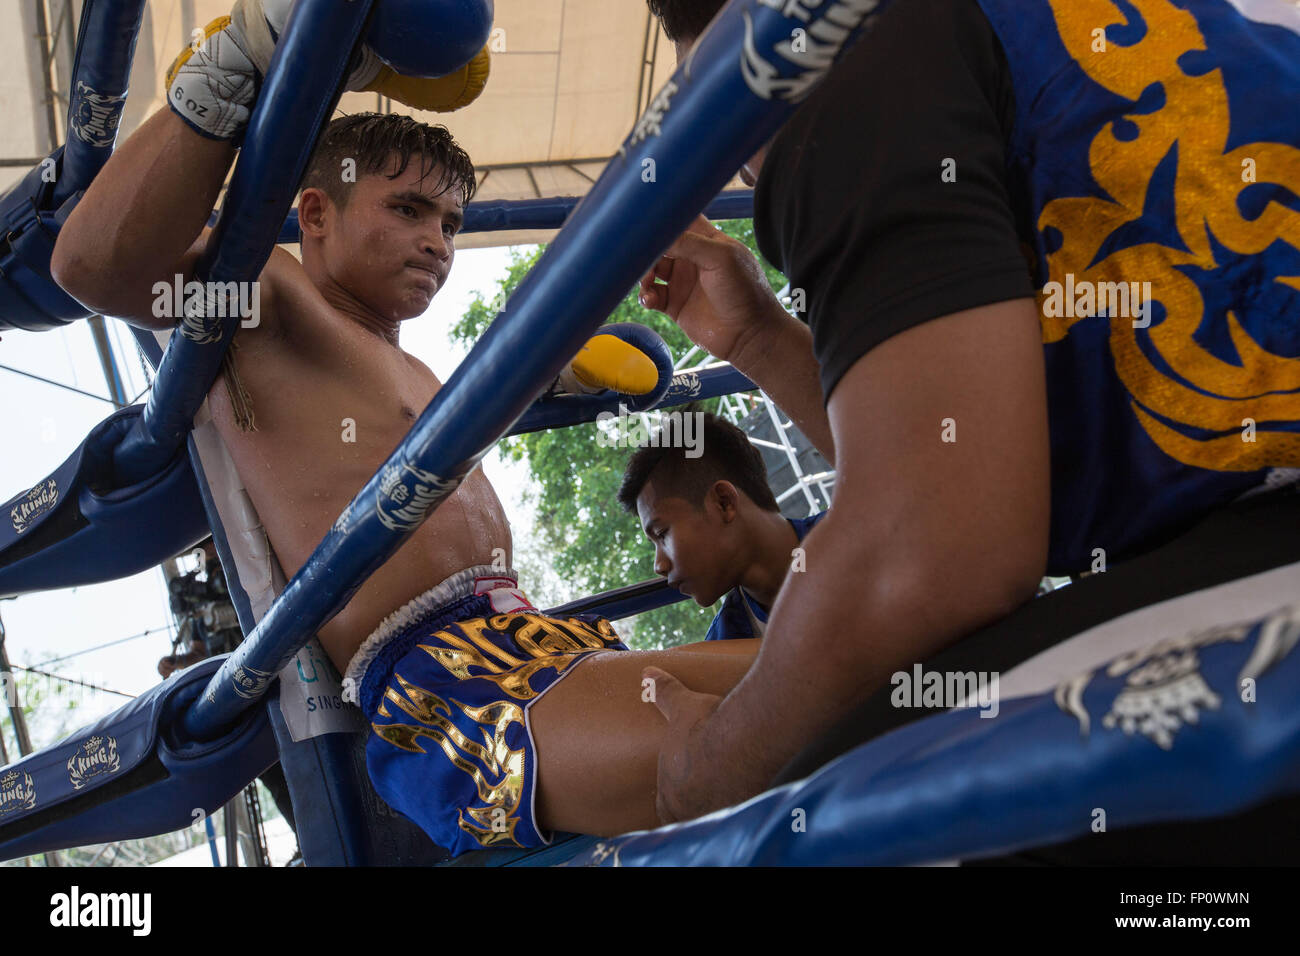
point(107, 361)
point(11, 699)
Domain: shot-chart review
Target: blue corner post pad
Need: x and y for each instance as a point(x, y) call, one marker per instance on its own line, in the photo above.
point(1195, 726)
point(742, 82)
point(33, 210)
point(131, 774)
point(80, 525)
point(30, 299)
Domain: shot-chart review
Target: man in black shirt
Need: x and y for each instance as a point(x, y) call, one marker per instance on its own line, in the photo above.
point(966, 163)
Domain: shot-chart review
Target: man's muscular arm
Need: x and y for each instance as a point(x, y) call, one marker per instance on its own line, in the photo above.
point(928, 540)
point(139, 221)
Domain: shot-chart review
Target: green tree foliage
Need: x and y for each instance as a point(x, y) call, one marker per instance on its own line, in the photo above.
point(585, 536)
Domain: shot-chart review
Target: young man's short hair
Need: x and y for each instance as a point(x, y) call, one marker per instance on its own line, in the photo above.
point(372, 140)
point(727, 455)
point(685, 19)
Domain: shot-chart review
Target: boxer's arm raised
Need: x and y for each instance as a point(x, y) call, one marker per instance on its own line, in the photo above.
point(137, 224)
point(142, 219)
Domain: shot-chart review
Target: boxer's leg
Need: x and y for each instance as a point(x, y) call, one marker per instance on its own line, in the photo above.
point(597, 739)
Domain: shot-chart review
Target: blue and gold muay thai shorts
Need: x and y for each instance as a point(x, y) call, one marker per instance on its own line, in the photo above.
point(446, 684)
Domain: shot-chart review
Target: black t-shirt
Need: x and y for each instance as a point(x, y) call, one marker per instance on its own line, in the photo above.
point(852, 203)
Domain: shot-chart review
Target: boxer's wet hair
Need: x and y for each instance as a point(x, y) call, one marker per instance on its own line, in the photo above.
point(727, 455)
point(684, 19)
point(372, 140)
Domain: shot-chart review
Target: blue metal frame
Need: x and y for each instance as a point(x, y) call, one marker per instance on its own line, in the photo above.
point(102, 68)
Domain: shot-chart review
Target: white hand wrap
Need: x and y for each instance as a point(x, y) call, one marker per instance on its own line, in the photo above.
point(214, 87)
point(568, 383)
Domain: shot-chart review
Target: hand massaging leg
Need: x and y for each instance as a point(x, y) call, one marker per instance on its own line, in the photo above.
point(598, 741)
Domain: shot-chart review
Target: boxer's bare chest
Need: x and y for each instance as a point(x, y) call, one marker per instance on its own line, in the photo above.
point(331, 402)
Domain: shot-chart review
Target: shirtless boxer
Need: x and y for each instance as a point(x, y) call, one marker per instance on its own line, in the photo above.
point(374, 253)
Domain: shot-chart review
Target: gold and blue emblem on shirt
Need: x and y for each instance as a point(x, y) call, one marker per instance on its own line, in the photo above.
point(1159, 145)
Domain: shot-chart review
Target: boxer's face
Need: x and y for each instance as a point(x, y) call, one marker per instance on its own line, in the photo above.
point(391, 247)
point(694, 544)
point(750, 171)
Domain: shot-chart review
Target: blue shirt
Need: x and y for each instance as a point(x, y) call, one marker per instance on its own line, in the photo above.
point(741, 616)
point(1133, 164)
point(1123, 146)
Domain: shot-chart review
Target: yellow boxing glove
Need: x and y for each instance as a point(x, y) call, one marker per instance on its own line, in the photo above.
point(441, 94)
point(606, 361)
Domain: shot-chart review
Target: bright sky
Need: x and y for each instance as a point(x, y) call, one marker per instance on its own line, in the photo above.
point(41, 425)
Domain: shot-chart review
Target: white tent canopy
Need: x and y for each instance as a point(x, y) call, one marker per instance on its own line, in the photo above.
point(569, 81)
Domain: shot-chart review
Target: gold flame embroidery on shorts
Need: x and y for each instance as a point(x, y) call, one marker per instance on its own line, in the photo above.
point(496, 769)
point(551, 643)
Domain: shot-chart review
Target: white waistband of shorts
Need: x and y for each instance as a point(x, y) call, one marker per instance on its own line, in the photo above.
point(459, 585)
